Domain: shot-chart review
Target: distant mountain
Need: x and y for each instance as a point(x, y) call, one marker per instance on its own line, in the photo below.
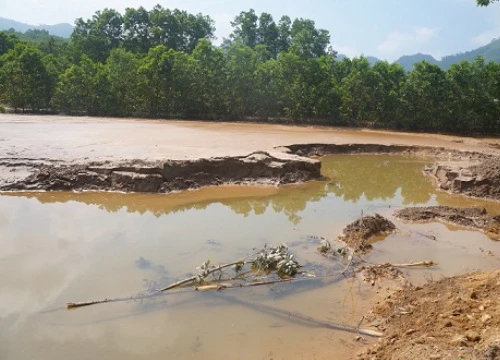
point(62, 30)
point(371, 59)
point(490, 52)
point(407, 61)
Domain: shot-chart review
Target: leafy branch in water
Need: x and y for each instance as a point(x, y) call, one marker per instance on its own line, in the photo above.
point(276, 258)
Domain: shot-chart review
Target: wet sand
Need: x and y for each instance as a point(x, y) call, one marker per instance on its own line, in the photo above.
point(84, 139)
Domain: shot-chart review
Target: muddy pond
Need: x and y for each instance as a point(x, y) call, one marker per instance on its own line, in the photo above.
point(63, 247)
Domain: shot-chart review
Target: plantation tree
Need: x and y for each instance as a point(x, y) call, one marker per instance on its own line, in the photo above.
point(24, 78)
point(209, 81)
point(241, 64)
point(136, 26)
point(307, 41)
point(268, 89)
point(179, 30)
point(96, 37)
point(245, 28)
point(77, 90)
point(268, 34)
point(284, 33)
point(121, 72)
point(425, 95)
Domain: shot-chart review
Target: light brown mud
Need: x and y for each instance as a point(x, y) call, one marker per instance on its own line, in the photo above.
point(65, 153)
point(454, 318)
point(163, 177)
point(474, 218)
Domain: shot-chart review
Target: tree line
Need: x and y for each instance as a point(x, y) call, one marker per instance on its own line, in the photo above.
point(162, 63)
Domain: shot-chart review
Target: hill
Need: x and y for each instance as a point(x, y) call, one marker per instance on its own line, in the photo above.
point(490, 52)
point(63, 30)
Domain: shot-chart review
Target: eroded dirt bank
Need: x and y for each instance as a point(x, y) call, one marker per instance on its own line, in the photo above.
point(162, 177)
point(477, 180)
point(454, 318)
point(436, 152)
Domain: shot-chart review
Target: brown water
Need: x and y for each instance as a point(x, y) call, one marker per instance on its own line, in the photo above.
point(60, 247)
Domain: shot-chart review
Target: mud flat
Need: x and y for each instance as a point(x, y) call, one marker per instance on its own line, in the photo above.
point(475, 218)
point(71, 153)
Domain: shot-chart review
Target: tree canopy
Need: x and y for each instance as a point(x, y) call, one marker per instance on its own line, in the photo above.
point(161, 63)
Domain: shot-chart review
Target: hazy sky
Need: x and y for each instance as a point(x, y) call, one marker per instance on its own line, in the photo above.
point(386, 29)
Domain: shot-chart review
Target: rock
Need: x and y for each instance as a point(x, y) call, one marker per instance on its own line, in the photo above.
point(473, 336)
point(485, 319)
point(458, 340)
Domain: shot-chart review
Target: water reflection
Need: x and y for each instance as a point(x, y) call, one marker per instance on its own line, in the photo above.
point(378, 178)
point(350, 178)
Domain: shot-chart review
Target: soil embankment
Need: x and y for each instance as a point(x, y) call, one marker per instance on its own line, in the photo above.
point(163, 177)
point(478, 180)
point(436, 152)
point(454, 318)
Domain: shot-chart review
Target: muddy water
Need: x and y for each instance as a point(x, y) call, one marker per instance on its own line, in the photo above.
point(60, 247)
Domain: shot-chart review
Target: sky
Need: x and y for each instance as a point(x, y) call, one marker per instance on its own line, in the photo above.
point(386, 29)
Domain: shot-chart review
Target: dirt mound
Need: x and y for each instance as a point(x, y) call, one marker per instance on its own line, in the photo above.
point(164, 177)
point(476, 218)
point(359, 234)
point(455, 318)
point(480, 180)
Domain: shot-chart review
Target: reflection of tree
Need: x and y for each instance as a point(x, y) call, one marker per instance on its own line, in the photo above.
point(377, 178)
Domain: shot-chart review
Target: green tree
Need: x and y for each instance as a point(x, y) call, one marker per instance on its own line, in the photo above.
point(24, 78)
point(121, 72)
point(425, 95)
point(307, 41)
point(137, 25)
point(245, 28)
point(268, 34)
point(96, 37)
point(79, 88)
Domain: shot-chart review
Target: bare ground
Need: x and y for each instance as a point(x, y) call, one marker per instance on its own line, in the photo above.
point(454, 318)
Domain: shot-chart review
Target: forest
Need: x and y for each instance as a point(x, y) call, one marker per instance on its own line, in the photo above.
point(163, 63)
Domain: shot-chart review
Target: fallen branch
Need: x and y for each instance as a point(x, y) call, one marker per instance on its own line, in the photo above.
point(416, 264)
point(223, 286)
point(304, 318)
point(192, 279)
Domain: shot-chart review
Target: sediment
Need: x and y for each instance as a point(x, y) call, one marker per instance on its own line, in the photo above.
point(479, 180)
point(359, 234)
point(311, 150)
point(475, 218)
point(157, 176)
